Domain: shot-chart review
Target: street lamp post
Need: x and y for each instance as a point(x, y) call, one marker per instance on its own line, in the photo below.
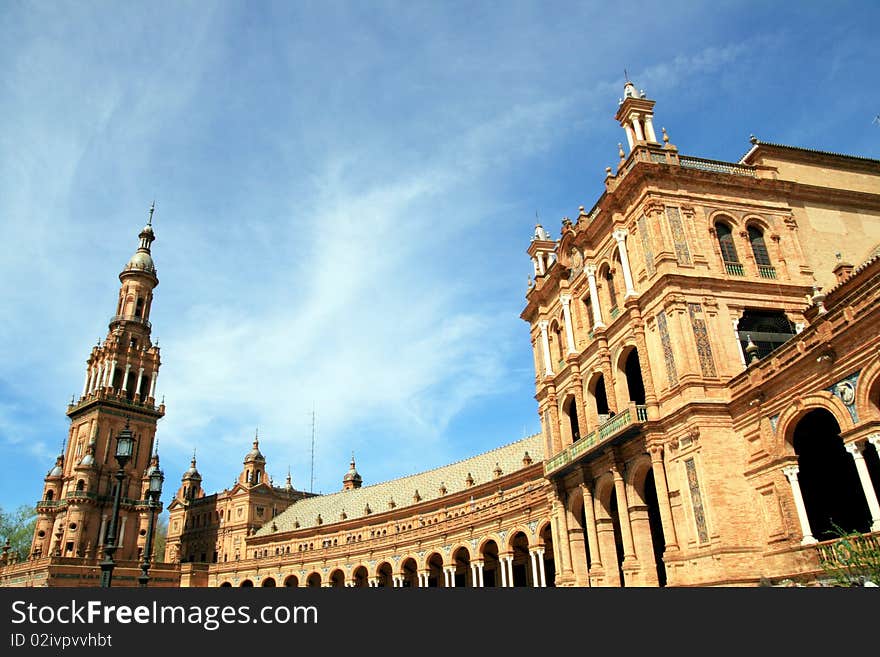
point(153, 494)
point(124, 450)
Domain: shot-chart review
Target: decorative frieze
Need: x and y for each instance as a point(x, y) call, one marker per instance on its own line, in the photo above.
point(682, 253)
point(704, 346)
point(696, 500)
point(668, 356)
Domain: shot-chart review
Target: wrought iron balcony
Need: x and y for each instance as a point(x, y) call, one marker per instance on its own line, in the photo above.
point(628, 419)
point(131, 318)
point(767, 271)
point(734, 268)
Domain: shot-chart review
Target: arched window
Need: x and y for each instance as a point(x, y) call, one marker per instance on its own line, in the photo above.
point(139, 309)
point(612, 293)
point(81, 485)
point(50, 495)
point(725, 242)
point(759, 248)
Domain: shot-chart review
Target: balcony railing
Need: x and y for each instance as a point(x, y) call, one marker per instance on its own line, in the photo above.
point(630, 417)
point(734, 269)
point(767, 271)
point(849, 557)
point(614, 312)
point(716, 166)
point(131, 318)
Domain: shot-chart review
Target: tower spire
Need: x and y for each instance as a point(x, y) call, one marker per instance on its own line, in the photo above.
point(152, 210)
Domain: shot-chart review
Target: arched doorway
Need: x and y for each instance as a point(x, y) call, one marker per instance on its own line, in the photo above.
point(360, 577)
point(435, 571)
point(225, 584)
point(384, 575)
point(246, 584)
point(647, 527)
point(461, 558)
point(313, 580)
point(491, 564)
point(521, 565)
point(569, 409)
point(337, 579)
point(291, 581)
point(546, 535)
point(632, 371)
point(409, 571)
point(268, 582)
point(828, 478)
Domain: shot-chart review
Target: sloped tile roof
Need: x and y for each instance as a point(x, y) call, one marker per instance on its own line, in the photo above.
point(509, 458)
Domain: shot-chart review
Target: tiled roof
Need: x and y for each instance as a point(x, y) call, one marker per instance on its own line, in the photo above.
point(509, 458)
point(758, 142)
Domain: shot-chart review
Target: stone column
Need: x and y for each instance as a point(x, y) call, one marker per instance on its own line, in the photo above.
point(152, 394)
point(112, 372)
point(536, 576)
point(545, 343)
point(660, 484)
point(630, 138)
point(791, 473)
point(857, 449)
point(541, 269)
point(86, 382)
point(637, 127)
point(569, 331)
point(594, 297)
point(592, 534)
point(99, 378)
point(137, 389)
point(125, 376)
point(103, 530)
point(509, 560)
point(560, 515)
point(503, 566)
point(629, 551)
point(619, 236)
point(541, 570)
point(649, 129)
point(474, 577)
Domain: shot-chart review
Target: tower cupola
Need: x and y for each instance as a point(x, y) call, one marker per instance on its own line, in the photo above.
point(352, 478)
point(636, 117)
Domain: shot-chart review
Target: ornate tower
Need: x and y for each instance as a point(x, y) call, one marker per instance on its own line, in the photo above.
point(120, 386)
point(254, 471)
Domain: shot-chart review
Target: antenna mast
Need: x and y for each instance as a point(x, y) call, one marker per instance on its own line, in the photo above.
point(312, 479)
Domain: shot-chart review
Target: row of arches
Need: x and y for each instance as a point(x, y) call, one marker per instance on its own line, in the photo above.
point(519, 564)
point(599, 405)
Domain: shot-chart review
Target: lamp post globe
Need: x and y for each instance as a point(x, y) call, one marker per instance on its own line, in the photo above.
point(124, 450)
point(154, 492)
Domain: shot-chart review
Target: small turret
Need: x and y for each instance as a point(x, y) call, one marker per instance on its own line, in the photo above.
point(352, 479)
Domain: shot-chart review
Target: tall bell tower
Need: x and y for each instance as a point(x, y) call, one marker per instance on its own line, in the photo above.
point(119, 387)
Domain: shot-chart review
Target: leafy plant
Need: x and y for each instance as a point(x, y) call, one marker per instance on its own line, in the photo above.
point(853, 559)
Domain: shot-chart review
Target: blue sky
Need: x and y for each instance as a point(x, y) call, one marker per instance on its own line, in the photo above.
point(345, 192)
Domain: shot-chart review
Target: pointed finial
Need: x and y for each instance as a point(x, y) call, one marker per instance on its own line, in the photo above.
point(156, 448)
point(625, 75)
point(752, 350)
point(152, 210)
point(257, 437)
point(193, 462)
point(352, 459)
point(620, 152)
point(665, 136)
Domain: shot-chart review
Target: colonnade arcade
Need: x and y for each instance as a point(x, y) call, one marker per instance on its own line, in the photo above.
point(618, 521)
point(835, 483)
point(509, 559)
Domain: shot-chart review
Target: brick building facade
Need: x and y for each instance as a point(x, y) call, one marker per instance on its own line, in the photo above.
point(707, 374)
